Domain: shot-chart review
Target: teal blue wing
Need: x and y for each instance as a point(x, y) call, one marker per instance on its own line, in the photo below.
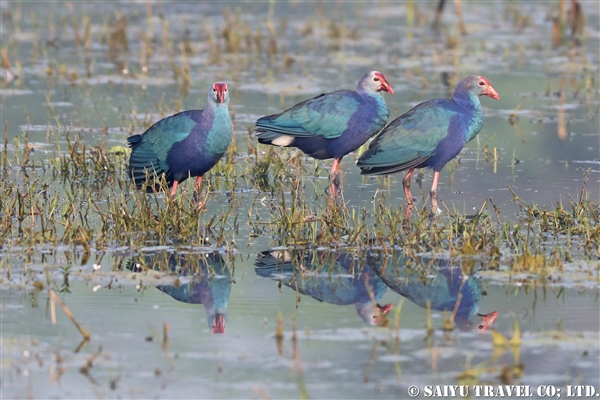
point(409, 140)
point(161, 136)
point(326, 115)
point(150, 149)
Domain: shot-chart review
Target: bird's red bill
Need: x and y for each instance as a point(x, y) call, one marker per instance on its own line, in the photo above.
point(384, 85)
point(490, 91)
point(488, 319)
point(221, 88)
point(219, 324)
point(384, 309)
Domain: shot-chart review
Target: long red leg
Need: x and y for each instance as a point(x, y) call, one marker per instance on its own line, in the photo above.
point(406, 185)
point(333, 186)
point(407, 193)
point(434, 191)
point(174, 188)
point(198, 182)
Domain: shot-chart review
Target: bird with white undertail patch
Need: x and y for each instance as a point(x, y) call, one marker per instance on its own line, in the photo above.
point(330, 125)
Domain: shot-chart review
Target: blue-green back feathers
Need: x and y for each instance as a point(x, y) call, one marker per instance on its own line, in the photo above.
point(151, 148)
point(326, 115)
point(431, 134)
point(412, 138)
point(330, 125)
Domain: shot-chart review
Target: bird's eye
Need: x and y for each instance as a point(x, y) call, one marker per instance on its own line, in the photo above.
point(376, 79)
point(480, 326)
point(214, 90)
point(481, 83)
point(225, 89)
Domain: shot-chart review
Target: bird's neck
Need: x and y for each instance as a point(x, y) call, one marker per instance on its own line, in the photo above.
point(471, 107)
point(221, 115)
point(468, 99)
point(219, 135)
point(364, 92)
point(471, 297)
point(379, 100)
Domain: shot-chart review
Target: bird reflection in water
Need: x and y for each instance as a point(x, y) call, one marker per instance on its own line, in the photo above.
point(437, 282)
point(210, 282)
point(335, 278)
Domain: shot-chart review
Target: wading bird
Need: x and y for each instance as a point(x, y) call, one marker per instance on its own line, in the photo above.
point(330, 125)
point(429, 135)
point(183, 145)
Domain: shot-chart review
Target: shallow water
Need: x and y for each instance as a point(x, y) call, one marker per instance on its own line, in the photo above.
point(334, 347)
point(104, 93)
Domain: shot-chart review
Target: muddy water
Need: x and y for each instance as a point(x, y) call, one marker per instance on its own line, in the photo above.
point(105, 90)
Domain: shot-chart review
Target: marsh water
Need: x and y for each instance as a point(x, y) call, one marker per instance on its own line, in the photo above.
point(260, 301)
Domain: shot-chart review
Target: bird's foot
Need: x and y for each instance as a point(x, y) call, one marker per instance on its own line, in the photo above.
point(336, 179)
point(334, 185)
point(333, 190)
point(435, 212)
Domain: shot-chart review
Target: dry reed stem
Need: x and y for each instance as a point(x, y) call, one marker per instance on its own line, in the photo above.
point(54, 298)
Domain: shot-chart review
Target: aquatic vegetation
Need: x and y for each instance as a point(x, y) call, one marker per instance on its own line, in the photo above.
point(84, 199)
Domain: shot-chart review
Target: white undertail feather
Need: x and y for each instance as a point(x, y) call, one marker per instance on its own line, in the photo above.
point(283, 140)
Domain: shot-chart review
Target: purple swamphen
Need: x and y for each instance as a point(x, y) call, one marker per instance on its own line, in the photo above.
point(429, 135)
point(330, 125)
point(434, 283)
point(186, 144)
point(334, 278)
point(209, 281)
